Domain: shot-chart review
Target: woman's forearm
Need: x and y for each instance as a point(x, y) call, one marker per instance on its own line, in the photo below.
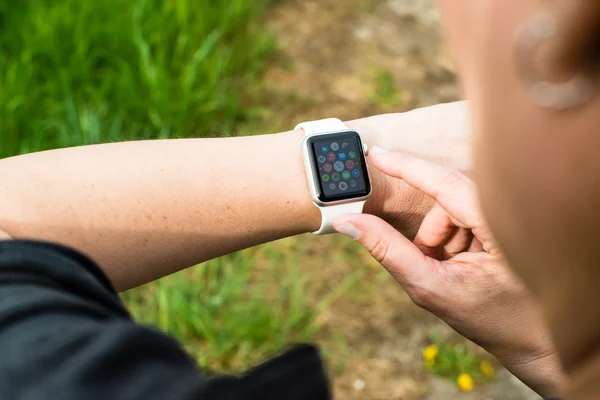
point(146, 209)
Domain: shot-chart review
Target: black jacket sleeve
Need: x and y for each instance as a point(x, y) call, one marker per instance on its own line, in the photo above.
point(64, 334)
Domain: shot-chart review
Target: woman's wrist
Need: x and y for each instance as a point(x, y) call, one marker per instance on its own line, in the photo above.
point(391, 199)
point(438, 133)
point(543, 374)
point(382, 187)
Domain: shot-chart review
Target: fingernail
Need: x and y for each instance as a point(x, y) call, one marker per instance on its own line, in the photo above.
point(349, 230)
point(376, 149)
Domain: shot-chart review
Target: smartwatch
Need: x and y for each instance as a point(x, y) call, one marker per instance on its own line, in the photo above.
point(336, 170)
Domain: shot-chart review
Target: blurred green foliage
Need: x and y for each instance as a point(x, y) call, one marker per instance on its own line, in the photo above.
point(235, 311)
point(79, 72)
point(452, 360)
point(386, 93)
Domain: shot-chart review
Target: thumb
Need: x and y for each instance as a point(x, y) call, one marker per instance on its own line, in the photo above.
point(403, 260)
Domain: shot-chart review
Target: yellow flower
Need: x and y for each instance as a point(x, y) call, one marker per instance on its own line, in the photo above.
point(487, 369)
point(465, 382)
point(430, 353)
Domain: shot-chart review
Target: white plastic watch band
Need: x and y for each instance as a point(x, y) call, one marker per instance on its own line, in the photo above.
point(330, 213)
point(322, 126)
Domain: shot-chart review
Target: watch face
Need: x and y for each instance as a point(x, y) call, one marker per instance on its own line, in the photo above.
point(339, 162)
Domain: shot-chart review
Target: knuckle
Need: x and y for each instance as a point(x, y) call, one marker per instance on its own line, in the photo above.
point(421, 296)
point(425, 293)
point(452, 178)
point(380, 250)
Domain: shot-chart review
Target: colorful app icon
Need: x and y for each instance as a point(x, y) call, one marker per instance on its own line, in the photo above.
point(342, 156)
point(324, 149)
point(355, 173)
point(332, 186)
point(346, 175)
point(349, 164)
point(345, 145)
point(331, 156)
point(343, 186)
point(338, 166)
point(328, 167)
point(353, 183)
point(335, 146)
point(322, 159)
point(325, 177)
point(352, 155)
point(335, 176)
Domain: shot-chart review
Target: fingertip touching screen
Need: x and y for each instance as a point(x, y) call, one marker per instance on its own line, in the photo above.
point(340, 165)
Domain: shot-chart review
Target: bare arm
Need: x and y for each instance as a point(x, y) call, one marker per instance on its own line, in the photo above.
point(146, 209)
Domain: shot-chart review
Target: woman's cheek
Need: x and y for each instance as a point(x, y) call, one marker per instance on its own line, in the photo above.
point(481, 35)
point(455, 20)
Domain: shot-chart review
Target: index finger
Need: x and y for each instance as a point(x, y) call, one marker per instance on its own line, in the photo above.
point(451, 189)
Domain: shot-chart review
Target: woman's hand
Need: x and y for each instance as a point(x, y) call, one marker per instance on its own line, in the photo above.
point(439, 133)
point(455, 270)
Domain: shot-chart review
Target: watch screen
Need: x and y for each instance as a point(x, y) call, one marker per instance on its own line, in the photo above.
point(340, 163)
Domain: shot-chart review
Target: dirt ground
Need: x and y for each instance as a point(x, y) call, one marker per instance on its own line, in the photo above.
point(332, 53)
point(351, 59)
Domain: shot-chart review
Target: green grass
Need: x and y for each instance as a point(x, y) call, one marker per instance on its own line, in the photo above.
point(236, 311)
point(385, 90)
point(453, 360)
point(368, 8)
point(79, 72)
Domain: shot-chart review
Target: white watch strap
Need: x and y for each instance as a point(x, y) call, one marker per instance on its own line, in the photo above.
point(322, 126)
point(330, 213)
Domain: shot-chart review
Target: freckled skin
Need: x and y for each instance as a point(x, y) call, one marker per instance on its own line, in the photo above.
point(188, 185)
